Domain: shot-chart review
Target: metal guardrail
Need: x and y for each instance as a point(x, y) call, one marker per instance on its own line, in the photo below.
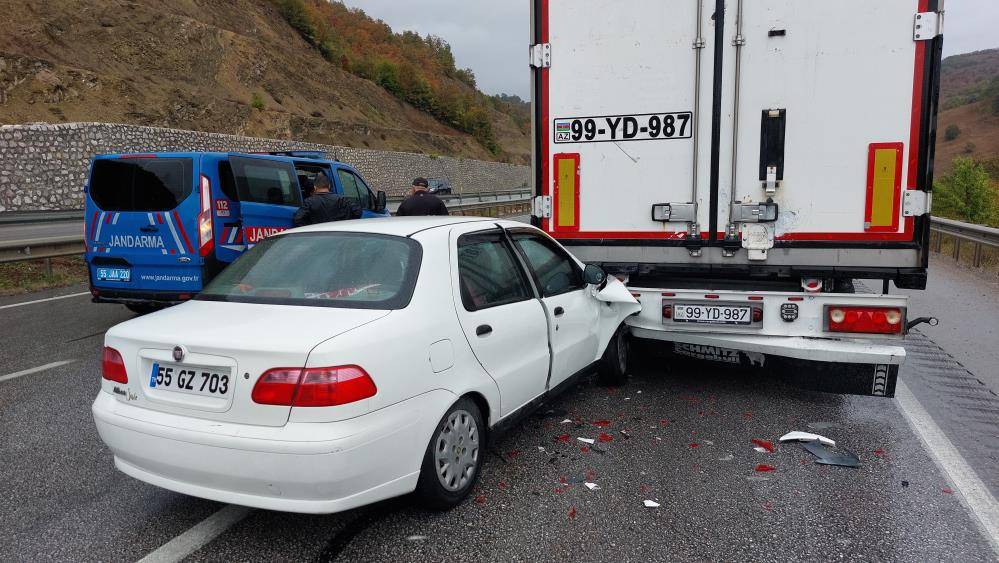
point(504, 201)
point(979, 236)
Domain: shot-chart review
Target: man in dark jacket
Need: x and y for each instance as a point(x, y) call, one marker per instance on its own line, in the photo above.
point(421, 202)
point(323, 206)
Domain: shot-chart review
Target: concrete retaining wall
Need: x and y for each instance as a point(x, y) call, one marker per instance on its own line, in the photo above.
point(43, 167)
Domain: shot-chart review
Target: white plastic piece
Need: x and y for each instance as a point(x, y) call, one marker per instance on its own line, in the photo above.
point(651, 504)
point(587, 440)
point(592, 486)
point(798, 436)
point(566, 421)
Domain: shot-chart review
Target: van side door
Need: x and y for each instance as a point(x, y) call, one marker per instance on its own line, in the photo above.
point(269, 194)
point(353, 186)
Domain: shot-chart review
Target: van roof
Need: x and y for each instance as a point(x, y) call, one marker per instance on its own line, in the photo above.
point(287, 155)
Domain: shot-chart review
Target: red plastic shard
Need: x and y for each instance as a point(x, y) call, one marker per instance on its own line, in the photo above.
point(590, 475)
point(558, 490)
point(564, 438)
point(481, 499)
point(584, 449)
point(948, 490)
point(768, 505)
point(747, 415)
point(643, 489)
point(572, 513)
point(513, 454)
point(694, 445)
point(605, 437)
point(503, 485)
point(663, 422)
point(880, 453)
point(763, 468)
point(765, 444)
point(602, 423)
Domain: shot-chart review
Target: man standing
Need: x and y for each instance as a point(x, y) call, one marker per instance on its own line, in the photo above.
point(323, 206)
point(421, 202)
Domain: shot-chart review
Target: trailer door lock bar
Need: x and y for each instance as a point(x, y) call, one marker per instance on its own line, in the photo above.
point(765, 212)
point(674, 212)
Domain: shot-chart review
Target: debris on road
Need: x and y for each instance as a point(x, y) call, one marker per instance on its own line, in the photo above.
point(728, 457)
point(763, 445)
point(798, 436)
point(592, 486)
point(564, 438)
point(589, 441)
point(764, 468)
point(826, 456)
point(605, 437)
point(651, 504)
point(416, 538)
point(821, 425)
point(566, 421)
point(601, 423)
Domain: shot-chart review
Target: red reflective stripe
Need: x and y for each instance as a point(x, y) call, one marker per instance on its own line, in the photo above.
point(159, 218)
point(545, 96)
point(107, 219)
point(180, 227)
point(93, 227)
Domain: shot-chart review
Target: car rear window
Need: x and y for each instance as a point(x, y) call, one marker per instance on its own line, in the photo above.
point(141, 184)
point(329, 269)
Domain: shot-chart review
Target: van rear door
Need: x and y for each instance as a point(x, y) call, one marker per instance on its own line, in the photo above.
point(269, 194)
point(142, 223)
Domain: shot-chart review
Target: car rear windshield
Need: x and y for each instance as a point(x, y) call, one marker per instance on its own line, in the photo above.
point(141, 184)
point(329, 269)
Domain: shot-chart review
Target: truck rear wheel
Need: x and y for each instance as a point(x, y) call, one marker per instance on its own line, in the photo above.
point(613, 369)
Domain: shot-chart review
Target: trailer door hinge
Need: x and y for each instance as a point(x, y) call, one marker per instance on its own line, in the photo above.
point(541, 207)
point(916, 203)
point(927, 26)
point(541, 55)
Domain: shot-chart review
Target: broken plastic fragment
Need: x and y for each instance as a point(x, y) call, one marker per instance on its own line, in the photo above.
point(587, 440)
point(416, 538)
point(651, 504)
point(764, 468)
point(564, 438)
point(761, 450)
point(566, 421)
point(605, 437)
point(592, 486)
point(767, 445)
point(798, 436)
point(709, 442)
point(601, 423)
point(481, 499)
point(728, 457)
point(572, 512)
point(694, 444)
point(948, 490)
point(827, 456)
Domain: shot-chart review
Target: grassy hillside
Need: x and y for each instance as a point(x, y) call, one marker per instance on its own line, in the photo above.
point(248, 67)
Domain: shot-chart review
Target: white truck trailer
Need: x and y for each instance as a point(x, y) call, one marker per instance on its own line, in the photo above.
point(740, 163)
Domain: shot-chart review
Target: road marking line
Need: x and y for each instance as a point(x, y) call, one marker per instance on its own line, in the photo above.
point(35, 370)
point(974, 494)
point(44, 300)
point(198, 536)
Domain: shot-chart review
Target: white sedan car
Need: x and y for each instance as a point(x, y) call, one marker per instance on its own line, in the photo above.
point(337, 365)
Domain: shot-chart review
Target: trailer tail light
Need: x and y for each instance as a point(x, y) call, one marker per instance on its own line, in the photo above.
point(313, 387)
point(757, 314)
point(206, 237)
point(865, 320)
point(113, 366)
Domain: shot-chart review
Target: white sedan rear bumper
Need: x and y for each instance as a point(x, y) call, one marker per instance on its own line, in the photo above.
point(299, 467)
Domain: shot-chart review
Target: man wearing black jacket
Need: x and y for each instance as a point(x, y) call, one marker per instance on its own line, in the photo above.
point(323, 206)
point(421, 202)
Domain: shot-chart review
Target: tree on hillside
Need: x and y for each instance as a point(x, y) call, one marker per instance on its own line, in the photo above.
point(952, 132)
point(966, 194)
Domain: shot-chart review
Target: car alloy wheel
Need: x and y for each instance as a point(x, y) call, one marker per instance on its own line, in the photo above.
point(456, 451)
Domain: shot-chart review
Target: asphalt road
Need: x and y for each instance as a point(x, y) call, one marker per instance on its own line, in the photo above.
point(681, 436)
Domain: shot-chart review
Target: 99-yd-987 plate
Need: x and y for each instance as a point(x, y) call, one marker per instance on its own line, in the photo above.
point(612, 128)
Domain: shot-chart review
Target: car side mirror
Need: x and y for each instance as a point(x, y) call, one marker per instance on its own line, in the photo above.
point(382, 200)
point(594, 275)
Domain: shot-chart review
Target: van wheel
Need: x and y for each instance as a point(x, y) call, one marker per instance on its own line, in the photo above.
point(613, 368)
point(453, 459)
point(141, 308)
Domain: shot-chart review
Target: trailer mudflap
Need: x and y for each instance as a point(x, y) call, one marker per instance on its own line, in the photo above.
point(876, 380)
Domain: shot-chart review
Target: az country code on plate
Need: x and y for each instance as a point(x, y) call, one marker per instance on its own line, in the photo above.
point(612, 128)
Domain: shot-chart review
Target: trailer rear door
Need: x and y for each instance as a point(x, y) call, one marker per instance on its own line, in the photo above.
point(653, 122)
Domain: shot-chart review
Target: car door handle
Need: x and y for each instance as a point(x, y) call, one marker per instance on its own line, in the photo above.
point(559, 311)
point(483, 330)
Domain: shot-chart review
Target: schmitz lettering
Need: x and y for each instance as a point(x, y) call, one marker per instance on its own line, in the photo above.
point(133, 241)
point(612, 128)
point(257, 234)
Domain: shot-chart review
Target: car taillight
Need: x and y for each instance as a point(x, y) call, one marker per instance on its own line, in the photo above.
point(757, 314)
point(865, 320)
point(313, 387)
point(206, 236)
point(113, 367)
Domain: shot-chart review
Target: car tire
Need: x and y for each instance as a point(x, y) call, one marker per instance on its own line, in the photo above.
point(613, 368)
point(459, 436)
point(141, 308)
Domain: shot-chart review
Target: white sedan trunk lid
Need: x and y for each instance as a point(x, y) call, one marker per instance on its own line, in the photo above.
point(238, 339)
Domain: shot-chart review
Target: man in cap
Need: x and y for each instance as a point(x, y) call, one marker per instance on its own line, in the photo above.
point(324, 206)
point(421, 201)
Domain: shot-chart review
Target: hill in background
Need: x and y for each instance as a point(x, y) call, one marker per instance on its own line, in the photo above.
point(308, 70)
point(969, 102)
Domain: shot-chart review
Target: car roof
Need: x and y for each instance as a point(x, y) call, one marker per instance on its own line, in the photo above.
point(399, 226)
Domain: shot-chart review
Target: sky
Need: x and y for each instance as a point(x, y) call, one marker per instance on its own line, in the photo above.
point(491, 36)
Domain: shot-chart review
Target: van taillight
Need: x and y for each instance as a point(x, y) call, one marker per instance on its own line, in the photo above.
point(865, 320)
point(206, 235)
point(113, 367)
point(313, 387)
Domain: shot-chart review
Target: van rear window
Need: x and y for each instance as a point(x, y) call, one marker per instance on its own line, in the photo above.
point(141, 184)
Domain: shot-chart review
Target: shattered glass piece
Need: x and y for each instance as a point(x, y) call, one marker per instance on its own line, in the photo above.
point(757, 478)
point(651, 504)
point(728, 457)
point(572, 513)
point(709, 442)
point(826, 456)
point(797, 436)
point(415, 538)
point(566, 421)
